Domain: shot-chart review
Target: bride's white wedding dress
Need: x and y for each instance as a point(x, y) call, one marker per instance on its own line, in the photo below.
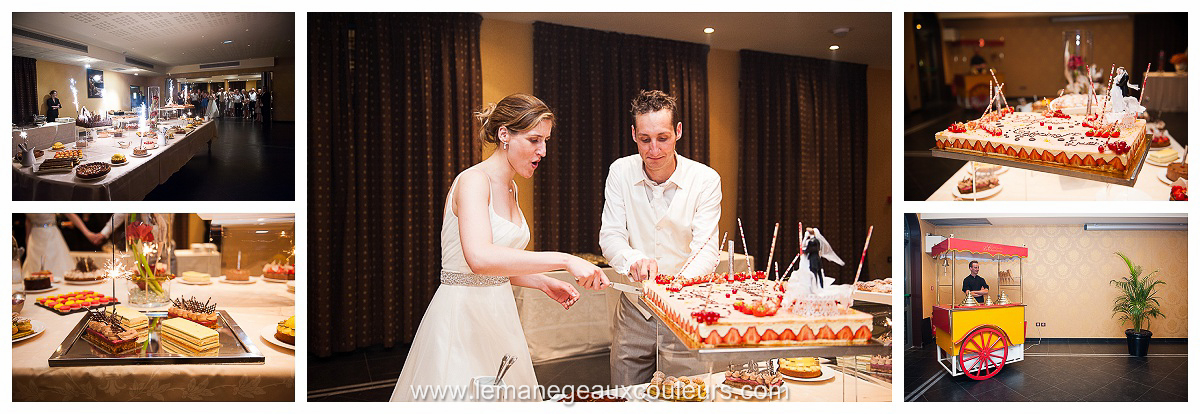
point(470, 324)
point(46, 249)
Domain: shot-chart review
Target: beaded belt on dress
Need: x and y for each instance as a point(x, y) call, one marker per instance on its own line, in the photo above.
point(471, 279)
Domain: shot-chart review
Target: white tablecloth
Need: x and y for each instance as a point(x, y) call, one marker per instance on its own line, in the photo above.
point(254, 307)
point(1021, 185)
point(586, 328)
point(1166, 91)
point(44, 136)
point(131, 181)
point(198, 262)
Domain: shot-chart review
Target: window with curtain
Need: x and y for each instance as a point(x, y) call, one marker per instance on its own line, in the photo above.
point(803, 155)
point(588, 78)
point(391, 98)
point(25, 99)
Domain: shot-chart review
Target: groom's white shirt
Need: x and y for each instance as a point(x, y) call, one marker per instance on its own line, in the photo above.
point(667, 222)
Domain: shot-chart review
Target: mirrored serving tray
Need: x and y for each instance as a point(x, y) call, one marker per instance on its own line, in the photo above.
point(236, 348)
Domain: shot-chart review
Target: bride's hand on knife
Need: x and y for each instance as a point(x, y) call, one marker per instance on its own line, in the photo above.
point(587, 275)
point(562, 292)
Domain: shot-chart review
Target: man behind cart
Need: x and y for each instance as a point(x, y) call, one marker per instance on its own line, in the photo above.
point(974, 284)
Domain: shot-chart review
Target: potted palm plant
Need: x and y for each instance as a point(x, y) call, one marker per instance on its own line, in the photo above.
point(1137, 303)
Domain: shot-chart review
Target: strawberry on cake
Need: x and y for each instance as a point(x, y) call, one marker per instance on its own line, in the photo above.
point(743, 310)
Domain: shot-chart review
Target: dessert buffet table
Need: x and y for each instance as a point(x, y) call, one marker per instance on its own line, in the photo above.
point(131, 181)
point(254, 307)
point(586, 328)
point(44, 136)
point(1020, 185)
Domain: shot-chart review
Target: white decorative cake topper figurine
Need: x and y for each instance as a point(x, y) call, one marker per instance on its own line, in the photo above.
point(809, 282)
point(1124, 108)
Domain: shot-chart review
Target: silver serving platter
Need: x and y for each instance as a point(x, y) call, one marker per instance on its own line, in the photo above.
point(236, 348)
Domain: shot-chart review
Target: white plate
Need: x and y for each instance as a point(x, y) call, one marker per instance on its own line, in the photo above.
point(52, 287)
point(118, 165)
point(267, 279)
point(978, 194)
point(1162, 176)
point(209, 282)
point(141, 156)
point(826, 374)
point(38, 328)
point(238, 282)
point(268, 334)
point(86, 282)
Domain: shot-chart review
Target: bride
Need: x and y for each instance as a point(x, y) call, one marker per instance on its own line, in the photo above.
point(472, 320)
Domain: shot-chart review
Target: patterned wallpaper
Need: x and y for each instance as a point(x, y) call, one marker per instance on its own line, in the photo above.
point(1066, 276)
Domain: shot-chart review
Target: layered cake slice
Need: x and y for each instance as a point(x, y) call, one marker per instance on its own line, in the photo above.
point(131, 319)
point(196, 277)
point(186, 337)
point(753, 380)
point(39, 280)
point(104, 331)
point(203, 313)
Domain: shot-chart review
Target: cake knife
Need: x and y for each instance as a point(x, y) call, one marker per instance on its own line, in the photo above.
point(626, 288)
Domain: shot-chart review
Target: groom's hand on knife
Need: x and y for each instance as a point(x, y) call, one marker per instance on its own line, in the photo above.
point(645, 269)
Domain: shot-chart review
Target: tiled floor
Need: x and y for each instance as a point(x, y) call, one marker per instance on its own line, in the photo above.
point(1076, 371)
point(246, 162)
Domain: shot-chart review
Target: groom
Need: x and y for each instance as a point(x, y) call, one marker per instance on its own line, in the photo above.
point(659, 209)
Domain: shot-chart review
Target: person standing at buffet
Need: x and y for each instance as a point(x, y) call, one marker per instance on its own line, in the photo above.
point(659, 208)
point(974, 284)
point(52, 106)
point(472, 321)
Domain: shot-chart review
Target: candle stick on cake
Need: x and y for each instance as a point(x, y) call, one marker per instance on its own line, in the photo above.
point(745, 248)
point(693, 256)
point(771, 255)
point(1143, 91)
point(864, 254)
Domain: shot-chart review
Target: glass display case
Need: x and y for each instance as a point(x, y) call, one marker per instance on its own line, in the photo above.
point(257, 247)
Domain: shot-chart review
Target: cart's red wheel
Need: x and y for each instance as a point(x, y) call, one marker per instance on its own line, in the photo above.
point(983, 353)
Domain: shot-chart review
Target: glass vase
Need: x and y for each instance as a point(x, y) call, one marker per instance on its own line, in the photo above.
point(1077, 60)
point(148, 254)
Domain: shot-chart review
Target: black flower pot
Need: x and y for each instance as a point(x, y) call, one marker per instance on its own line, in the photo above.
point(1139, 342)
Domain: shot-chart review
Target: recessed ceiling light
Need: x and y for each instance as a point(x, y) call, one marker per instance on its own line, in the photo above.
point(834, 47)
point(227, 42)
point(918, 26)
point(709, 30)
point(87, 66)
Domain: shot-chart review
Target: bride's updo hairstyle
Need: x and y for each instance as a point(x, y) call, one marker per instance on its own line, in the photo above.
point(518, 112)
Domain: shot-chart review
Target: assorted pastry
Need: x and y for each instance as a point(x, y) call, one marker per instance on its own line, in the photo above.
point(21, 327)
point(196, 277)
point(118, 159)
point(203, 313)
point(754, 379)
point(140, 151)
point(74, 153)
point(57, 146)
point(285, 331)
point(183, 336)
point(807, 367)
point(57, 165)
point(39, 280)
point(877, 285)
point(677, 389)
point(969, 185)
point(75, 301)
point(131, 320)
point(1177, 170)
point(93, 170)
point(105, 331)
point(276, 271)
point(85, 271)
point(1163, 156)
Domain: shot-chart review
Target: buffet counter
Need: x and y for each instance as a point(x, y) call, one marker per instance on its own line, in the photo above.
point(1021, 185)
point(586, 328)
point(130, 181)
point(45, 135)
point(255, 307)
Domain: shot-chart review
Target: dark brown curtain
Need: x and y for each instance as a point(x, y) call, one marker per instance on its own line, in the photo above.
point(803, 155)
point(588, 77)
point(1154, 33)
point(25, 99)
point(391, 97)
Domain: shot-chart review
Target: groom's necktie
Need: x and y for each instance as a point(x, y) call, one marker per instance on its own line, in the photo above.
point(658, 201)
